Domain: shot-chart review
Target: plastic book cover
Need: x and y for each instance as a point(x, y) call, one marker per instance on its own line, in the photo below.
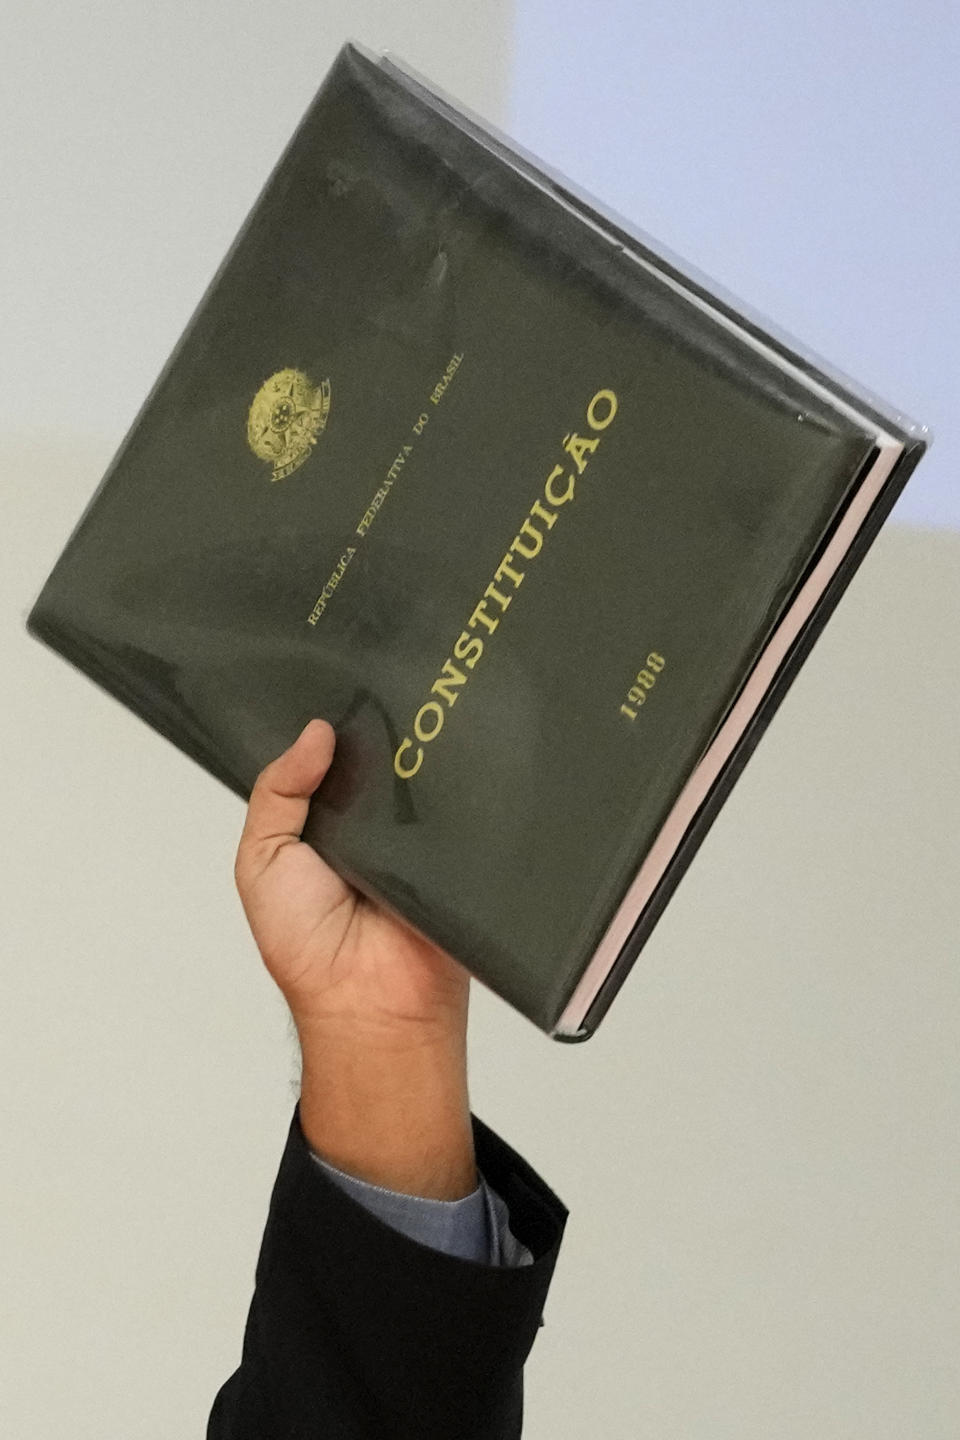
point(541, 524)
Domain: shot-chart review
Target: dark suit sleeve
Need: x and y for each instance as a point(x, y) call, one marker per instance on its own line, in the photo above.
point(357, 1332)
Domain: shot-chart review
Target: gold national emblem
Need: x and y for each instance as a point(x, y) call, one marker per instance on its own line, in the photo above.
point(287, 415)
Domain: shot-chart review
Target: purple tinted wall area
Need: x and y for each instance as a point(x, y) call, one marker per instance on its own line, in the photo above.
point(806, 157)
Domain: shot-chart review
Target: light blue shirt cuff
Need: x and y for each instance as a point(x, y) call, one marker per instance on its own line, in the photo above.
point(476, 1227)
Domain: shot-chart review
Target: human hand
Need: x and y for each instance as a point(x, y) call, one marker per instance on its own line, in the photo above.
point(341, 961)
point(381, 1012)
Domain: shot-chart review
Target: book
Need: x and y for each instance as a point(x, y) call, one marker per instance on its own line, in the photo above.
point(538, 517)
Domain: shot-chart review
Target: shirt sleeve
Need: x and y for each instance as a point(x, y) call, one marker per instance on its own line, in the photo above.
point(475, 1227)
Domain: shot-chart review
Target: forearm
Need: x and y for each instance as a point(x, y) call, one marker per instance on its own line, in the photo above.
point(353, 1329)
point(390, 1111)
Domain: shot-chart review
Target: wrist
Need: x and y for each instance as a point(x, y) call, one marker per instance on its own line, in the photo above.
point(393, 1110)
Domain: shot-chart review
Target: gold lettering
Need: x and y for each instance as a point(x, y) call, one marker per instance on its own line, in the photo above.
point(547, 490)
point(451, 676)
point(575, 445)
point(494, 594)
point(468, 648)
point(505, 568)
point(537, 509)
point(558, 488)
point(331, 585)
point(405, 744)
point(432, 707)
point(481, 614)
point(611, 400)
point(643, 683)
point(440, 388)
point(528, 529)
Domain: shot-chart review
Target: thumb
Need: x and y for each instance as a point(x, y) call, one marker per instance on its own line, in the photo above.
point(280, 799)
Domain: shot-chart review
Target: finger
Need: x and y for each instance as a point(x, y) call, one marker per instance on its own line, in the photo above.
point(280, 798)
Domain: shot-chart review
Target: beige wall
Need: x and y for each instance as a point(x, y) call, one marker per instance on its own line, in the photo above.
point(758, 1149)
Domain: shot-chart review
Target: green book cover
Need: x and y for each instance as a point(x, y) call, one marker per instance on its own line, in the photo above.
point(541, 525)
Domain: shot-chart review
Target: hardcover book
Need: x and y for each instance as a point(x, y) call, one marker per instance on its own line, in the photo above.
point(541, 520)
